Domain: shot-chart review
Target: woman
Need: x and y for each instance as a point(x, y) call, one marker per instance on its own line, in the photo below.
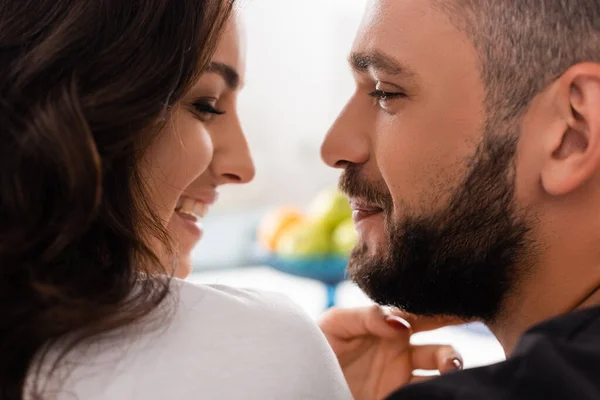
point(117, 124)
point(214, 96)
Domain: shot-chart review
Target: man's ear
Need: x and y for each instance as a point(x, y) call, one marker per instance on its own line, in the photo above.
point(573, 147)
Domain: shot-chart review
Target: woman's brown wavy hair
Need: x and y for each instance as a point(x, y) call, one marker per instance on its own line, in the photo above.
point(84, 87)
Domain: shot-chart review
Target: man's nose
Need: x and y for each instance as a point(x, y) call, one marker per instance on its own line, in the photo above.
point(346, 142)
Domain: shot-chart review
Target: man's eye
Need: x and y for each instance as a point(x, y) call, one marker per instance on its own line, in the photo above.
point(381, 96)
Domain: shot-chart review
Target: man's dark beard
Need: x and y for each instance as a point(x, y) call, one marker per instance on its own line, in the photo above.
point(462, 260)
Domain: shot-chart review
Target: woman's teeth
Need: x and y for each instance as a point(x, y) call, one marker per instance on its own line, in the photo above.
point(191, 209)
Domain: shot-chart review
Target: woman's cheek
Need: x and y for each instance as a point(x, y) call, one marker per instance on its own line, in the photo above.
point(196, 149)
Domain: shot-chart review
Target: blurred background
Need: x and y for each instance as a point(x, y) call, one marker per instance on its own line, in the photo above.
point(297, 81)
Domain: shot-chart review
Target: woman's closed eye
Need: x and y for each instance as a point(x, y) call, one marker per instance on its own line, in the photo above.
point(206, 110)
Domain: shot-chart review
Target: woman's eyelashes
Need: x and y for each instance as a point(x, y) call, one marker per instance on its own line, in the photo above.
point(206, 109)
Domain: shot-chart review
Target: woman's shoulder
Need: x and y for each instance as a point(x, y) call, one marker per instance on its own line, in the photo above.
point(214, 342)
point(264, 340)
point(224, 313)
point(221, 301)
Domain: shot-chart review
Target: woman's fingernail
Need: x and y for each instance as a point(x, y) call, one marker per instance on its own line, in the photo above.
point(457, 362)
point(397, 323)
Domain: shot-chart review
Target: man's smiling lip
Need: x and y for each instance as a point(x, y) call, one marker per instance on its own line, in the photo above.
point(362, 210)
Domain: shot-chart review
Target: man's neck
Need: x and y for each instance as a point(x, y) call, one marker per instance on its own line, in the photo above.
point(565, 271)
point(542, 297)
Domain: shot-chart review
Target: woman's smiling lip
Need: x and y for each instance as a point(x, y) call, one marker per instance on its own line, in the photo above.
point(192, 224)
point(192, 208)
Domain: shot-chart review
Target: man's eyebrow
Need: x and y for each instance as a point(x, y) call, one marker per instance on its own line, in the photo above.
point(378, 61)
point(227, 72)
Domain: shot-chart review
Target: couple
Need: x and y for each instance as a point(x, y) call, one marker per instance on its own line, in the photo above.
point(470, 152)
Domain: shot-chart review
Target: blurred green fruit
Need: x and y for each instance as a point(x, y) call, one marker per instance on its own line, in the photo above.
point(305, 239)
point(344, 238)
point(329, 208)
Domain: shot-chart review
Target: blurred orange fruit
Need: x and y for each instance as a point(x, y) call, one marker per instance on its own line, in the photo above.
point(275, 223)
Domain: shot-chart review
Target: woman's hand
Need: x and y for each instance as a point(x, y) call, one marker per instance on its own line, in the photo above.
point(374, 350)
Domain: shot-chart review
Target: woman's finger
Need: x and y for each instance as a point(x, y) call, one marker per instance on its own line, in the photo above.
point(442, 358)
point(352, 323)
point(425, 323)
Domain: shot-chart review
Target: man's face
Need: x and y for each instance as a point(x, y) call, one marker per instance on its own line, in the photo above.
point(430, 177)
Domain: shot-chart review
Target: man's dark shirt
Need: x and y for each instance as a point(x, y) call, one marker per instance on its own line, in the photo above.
point(559, 359)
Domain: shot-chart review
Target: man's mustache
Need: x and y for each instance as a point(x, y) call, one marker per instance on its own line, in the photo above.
point(354, 185)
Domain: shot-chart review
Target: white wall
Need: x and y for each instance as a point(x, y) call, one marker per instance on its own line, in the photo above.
point(297, 82)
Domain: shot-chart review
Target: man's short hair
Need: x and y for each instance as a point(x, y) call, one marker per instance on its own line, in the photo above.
point(523, 45)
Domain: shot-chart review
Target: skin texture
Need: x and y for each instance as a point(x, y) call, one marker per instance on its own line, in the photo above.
point(373, 348)
point(418, 156)
point(198, 151)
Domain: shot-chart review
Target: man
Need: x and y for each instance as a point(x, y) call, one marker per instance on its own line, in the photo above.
point(471, 156)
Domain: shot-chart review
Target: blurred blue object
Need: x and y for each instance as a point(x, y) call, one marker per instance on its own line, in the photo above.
point(330, 270)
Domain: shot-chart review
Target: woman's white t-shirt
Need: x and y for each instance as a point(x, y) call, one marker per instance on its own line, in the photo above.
point(219, 343)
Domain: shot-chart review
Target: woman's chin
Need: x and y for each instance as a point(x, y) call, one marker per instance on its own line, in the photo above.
point(187, 234)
